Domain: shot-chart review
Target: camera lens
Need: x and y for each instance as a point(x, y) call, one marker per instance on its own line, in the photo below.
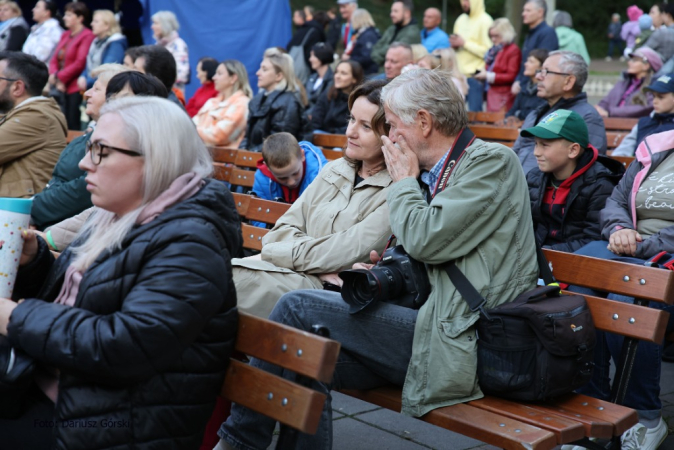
point(360, 288)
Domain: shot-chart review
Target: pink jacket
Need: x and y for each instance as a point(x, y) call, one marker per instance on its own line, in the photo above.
point(72, 50)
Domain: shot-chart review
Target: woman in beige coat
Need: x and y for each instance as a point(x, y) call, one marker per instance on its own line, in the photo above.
point(336, 222)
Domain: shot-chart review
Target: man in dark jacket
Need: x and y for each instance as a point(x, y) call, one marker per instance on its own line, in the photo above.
point(541, 35)
point(571, 184)
point(404, 29)
point(310, 30)
point(560, 83)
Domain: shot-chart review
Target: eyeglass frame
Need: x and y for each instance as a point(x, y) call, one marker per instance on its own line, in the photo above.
point(89, 146)
point(544, 75)
point(9, 79)
point(643, 59)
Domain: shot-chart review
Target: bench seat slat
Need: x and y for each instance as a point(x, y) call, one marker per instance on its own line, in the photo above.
point(649, 324)
point(623, 418)
point(251, 387)
point(305, 353)
point(470, 421)
point(613, 276)
point(565, 430)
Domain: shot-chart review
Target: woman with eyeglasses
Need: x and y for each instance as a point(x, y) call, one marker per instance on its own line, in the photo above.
point(132, 326)
point(222, 119)
point(629, 97)
point(502, 64)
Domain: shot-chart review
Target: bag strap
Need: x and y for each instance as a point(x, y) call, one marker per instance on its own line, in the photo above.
point(306, 36)
point(475, 301)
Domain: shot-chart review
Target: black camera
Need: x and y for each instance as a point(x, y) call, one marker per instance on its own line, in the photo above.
point(396, 278)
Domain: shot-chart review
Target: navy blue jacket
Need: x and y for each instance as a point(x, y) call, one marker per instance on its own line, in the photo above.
point(542, 36)
point(362, 48)
point(526, 101)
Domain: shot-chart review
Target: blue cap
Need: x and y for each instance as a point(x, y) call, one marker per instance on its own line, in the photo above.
point(663, 84)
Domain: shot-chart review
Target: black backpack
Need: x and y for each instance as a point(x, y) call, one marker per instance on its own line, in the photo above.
point(536, 347)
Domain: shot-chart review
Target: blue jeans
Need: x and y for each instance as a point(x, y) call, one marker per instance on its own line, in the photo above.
point(615, 44)
point(643, 390)
point(376, 350)
point(475, 97)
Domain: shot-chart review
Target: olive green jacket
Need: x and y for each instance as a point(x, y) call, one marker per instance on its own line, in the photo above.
point(410, 34)
point(482, 221)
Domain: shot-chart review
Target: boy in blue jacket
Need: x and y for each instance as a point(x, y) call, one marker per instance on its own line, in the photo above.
point(286, 168)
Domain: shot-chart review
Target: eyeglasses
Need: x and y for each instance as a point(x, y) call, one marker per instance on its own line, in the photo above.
point(96, 151)
point(544, 73)
point(639, 58)
point(9, 79)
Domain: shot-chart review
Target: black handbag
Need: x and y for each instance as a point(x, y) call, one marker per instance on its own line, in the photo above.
point(16, 376)
point(538, 346)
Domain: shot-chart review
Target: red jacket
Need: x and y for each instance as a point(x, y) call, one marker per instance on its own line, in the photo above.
point(506, 67)
point(205, 92)
point(76, 49)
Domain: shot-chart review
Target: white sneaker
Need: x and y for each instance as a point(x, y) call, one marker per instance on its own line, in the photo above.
point(608, 58)
point(641, 438)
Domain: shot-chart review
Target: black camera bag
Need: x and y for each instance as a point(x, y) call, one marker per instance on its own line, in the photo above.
point(536, 347)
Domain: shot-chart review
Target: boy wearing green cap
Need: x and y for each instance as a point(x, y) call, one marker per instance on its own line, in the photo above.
point(571, 184)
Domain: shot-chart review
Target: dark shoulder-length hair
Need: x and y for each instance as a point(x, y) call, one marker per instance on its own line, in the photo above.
point(356, 72)
point(371, 90)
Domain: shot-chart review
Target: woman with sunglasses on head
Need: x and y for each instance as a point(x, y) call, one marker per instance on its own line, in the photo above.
point(132, 326)
point(629, 97)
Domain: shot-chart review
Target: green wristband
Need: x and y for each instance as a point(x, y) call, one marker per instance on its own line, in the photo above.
point(50, 241)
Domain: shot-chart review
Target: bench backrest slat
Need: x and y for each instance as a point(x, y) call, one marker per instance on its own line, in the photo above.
point(614, 138)
point(332, 155)
point(248, 159)
point(267, 211)
point(619, 123)
point(485, 117)
point(252, 236)
point(221, 171)
point(242, 177)
point(223, 154)
point(613, 276)
point(330, 140)
point(241, 201)
point(625, 160)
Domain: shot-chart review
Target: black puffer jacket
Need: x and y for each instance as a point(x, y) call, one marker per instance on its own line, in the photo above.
point(268, 114)
point(144, 350)
point(572, 220)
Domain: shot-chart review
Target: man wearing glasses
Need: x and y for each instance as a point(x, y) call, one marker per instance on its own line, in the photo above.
point(32, 129)
point(560, 83)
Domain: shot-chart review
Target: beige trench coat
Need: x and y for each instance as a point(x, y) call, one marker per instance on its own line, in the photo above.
point(329, 228)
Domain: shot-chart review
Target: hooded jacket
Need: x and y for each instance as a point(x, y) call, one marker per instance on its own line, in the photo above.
point(621, 212)
point(32, 136)
point(474, 29)
point(266, 186)
point(143, 352)
point(572, 216)
point(269, 113)
point(410, 34)
point(571, 40)
point(524, 146)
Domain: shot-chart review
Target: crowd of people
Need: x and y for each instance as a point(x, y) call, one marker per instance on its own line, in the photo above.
point(136, 319)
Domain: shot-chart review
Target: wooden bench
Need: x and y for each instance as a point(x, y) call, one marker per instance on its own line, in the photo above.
point(572, 418)
point(222, 171)
point(490, 133)
point(247, 159)
point(485, 117)
point(253, 209)
point(291, 403)
point(223, 154)
point(329, 141)
point(332, 155)
point(614, 138)
point(619, 123)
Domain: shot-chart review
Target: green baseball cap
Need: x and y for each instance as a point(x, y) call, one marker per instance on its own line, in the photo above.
point(561, 124)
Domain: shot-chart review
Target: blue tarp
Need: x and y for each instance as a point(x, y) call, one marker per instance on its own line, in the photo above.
point(225, 29)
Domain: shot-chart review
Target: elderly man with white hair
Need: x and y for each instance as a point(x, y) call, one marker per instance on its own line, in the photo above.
point(454, 198)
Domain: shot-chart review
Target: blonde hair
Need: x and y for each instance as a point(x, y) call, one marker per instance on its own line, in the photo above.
point(361, 19)
point(234, 67)
point(168, 22)
point(433, 61)
point(105, 72)
point(170, 146)
point(503, 27)
point(449, 65)
point(283, 64)
point(15, 8)
point(110, 20)
point(418, 52)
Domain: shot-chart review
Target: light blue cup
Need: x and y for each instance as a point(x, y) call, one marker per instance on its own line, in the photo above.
point(14, 219)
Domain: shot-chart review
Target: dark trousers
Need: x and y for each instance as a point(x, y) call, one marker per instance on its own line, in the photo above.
point(71, 109)
point(34, 429)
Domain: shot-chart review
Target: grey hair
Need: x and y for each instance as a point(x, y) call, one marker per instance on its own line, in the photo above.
point(505, 29)
point(168, 21)
point(406, 46)
point(105, 72)
point(574, 64)
point(562, 19)
point(170, 146)
point(429, 90)
point(541, 4)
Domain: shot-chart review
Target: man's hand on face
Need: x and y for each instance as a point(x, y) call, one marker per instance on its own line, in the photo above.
point(401, 161)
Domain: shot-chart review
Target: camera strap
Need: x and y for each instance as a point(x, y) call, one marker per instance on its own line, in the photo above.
point(462, 141)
